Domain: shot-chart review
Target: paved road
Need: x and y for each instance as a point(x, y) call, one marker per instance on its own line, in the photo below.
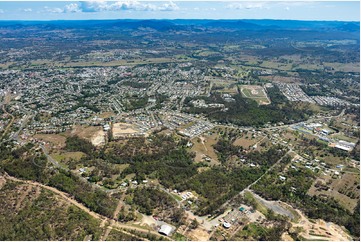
point(51, 159)
point(273, 205)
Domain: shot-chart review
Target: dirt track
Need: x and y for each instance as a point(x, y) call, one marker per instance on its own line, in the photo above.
point(115, 224)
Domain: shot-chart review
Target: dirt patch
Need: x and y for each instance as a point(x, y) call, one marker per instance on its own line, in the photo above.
point(106, 115)
point(98, 139)
point(56, 140)
point(245, 143)
point(85, 132)
point(2, 182)
point(148, 220)
point(286, 237)
point(320, 230)
point(124, 130)
point(198, 234)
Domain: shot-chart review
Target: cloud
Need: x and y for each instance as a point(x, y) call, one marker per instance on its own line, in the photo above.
point(53, 10)
point(287, 8)
point(171, 6)
point(26, 10)
point(102, 6)
point(1, 11)
point(295, 3)
point(72, 8)
point(245, 5)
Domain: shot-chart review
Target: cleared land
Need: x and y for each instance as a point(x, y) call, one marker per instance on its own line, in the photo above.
point(319, 230)
point(123, 130)
point(344, 190)
point(203, 147)
point(66, 156)
point(94, 134)
point(56, 140)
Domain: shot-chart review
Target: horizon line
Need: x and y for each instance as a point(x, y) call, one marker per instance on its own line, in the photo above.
point(174, 19)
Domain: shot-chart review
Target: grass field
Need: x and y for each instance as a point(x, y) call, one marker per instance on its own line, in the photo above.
point(204, 147)
point(256, 93)
point(64, 156)
point(343, 137)
point(348, 183)
point(246, 143)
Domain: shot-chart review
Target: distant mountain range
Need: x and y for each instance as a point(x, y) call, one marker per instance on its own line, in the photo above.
point(181, 24)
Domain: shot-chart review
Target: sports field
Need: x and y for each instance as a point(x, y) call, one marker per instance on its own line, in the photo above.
point(256, 93)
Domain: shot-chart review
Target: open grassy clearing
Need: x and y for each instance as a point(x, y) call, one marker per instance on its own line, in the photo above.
point(220, 82)
point(344, 67)
point(258, 206)
point(85, 132)
point(56, 140)
point(344, 190)
point(203, 147)
point(276, 65)
point(66, 156)
point(343, 137)
point(106, 114)
point(282, 79)
point(246, 143)
point(5, 65)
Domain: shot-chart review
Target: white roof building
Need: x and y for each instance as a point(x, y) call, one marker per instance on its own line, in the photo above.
point(226, 225)
point(165, 229)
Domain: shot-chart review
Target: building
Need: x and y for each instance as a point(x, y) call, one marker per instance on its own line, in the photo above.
point(226, 225)
point(165, 230)
point(344, 145)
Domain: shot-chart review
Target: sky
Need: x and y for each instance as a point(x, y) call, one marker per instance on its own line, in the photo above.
point(186, 9)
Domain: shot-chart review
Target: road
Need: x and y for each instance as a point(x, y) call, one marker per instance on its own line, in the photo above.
point(51, 159)
point(272, 205)
point(115, 217)
point(266, 172)
point(269, 169)
point(309, 120)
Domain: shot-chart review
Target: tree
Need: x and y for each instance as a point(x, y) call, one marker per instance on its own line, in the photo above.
point(194, 224)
